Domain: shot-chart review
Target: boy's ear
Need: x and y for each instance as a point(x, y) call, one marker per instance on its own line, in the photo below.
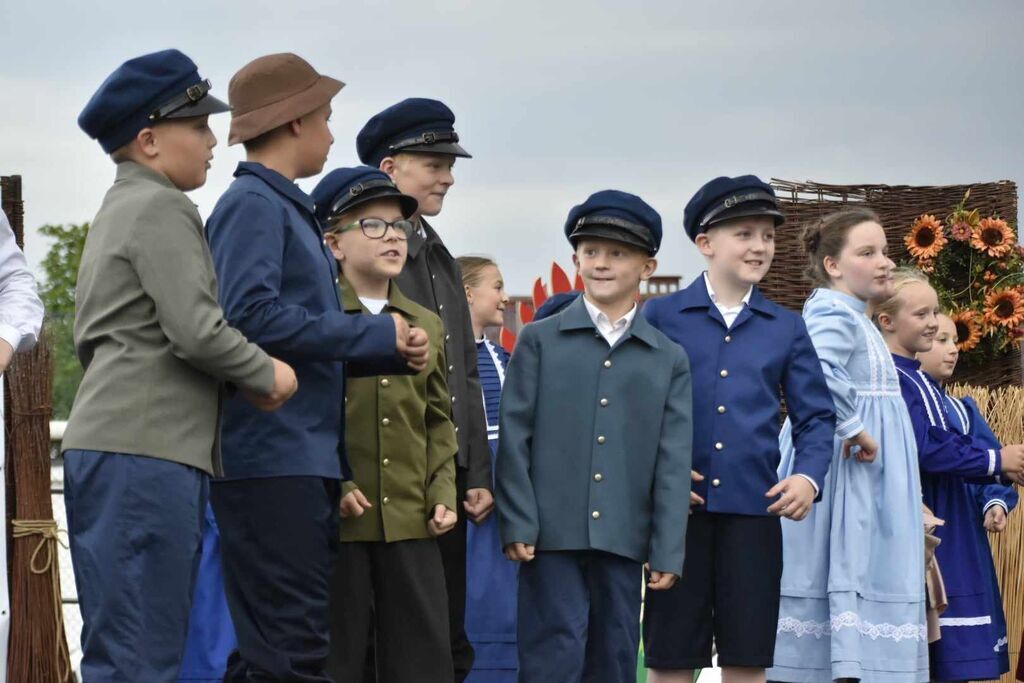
point(147, 143)
point(650, 265)
point(704, 244)
point(575, 261)
point(295, 126)
point(387, 164)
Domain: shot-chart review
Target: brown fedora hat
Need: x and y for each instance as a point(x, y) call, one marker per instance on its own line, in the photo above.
point(271, 91)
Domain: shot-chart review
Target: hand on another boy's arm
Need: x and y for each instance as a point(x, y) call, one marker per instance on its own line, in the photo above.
point(867, 447)
point(442, 522)
point(520, 552)
point(6, 354)
point(796, 496)
point(412, 343)
point(354, 504)
point(479, 504)
point(694, 498)
point(1011, 460)
point(995, 519)
point(285, 386)
point(661, 581)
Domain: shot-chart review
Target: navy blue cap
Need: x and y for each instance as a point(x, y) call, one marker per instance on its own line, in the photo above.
point(724, 198)
point(144, 91)
point(343, 189)
point(615, 215)
point(413, 125)
point(555, 304)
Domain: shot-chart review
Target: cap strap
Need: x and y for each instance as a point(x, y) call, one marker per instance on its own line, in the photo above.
point(425, 139)
point(358, 189)
point(637, 230)
point(191, 95)
point(735, 200)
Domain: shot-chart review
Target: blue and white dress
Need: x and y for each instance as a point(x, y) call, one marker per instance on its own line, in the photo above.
point(491, 579)
point(853, 593)
point(958, 478)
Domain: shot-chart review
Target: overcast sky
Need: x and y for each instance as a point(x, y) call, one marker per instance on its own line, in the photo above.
point(558, 99)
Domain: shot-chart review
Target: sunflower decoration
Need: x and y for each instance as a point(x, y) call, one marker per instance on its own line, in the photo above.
point(993, 236)
point(1005, 307)
point(962, 222)
point(968, 329)
point(926, 239)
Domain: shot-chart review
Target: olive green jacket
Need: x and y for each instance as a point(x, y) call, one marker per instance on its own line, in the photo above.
point(150, 333)
point(399, 437)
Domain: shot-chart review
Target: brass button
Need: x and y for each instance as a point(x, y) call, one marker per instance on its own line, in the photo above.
point(716, 482)
point(721, 409)
point(385, 462)
point(607, 363)
point(604, 401)
point(719, 446)
point(724, 373)
point(440, 307)
point(456, 429)
point(595, 514)
point(453, 399)
point(598, 477)
point(728, 338)
point(451, 368)
point(433, 277)
point(386, 500)
point(385, 382)
point(600, 439)
point(385, 422)
point(447, 337)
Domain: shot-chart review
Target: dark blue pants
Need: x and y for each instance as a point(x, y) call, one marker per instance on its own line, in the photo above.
point(135, 525)
point(279, 544)
point(579, 618)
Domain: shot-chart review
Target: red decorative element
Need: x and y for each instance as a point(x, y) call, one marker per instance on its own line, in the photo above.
point(525, 313)
point(508, 340)
point(579, 283)
point(559, 280)
point(540, 294)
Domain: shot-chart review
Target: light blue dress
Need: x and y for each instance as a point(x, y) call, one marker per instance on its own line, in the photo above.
point(853, 594)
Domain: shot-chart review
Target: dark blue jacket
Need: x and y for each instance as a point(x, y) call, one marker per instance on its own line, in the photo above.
point(279, 287)
point(737, 374)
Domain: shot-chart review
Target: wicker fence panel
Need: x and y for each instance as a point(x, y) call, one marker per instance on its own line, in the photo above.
point(898, 206)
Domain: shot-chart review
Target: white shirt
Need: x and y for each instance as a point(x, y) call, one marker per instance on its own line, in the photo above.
point(729, 314)
point(374, 306)
point(611, 331)
point(21, 311)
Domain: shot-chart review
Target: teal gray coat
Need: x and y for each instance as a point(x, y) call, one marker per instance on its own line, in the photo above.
point(596, 441)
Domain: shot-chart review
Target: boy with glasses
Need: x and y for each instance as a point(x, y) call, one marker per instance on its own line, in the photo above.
point(401, 447)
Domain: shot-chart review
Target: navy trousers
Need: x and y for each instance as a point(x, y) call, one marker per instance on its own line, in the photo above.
point(135, 525)
point(279, 544)
point(579, 618)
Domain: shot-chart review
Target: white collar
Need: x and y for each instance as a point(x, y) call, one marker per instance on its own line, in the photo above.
point(601, 320)
point(714, 299)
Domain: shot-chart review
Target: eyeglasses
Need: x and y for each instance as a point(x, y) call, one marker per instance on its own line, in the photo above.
point(376, 228)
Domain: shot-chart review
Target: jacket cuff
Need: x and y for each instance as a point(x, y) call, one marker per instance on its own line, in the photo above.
point(995, 461)
point(994, 502)
point(847, 429)
point(11, 335)
point(817, 490)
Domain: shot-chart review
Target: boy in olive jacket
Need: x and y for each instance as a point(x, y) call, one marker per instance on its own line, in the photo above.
point(401, 448)
point(144, 432)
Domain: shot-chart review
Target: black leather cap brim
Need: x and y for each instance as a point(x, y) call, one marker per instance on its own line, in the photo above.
point(607, 232)
point(453, 148)
point(408, 204)
point(207, 105)
point(741, 211)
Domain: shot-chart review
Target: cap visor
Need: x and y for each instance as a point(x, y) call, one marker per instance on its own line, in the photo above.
point(453, 148)
point(607, 232)
point(207, 105)
point(747, 212)
point(408, 204)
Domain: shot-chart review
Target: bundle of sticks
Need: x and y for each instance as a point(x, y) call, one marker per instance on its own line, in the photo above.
point(37, 648)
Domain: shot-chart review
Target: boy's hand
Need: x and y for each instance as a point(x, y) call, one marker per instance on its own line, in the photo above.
point(412, 343)
point(661, 581)
point(995, 519)
point(6, 354)
point(1012, 460)
point(520, 552)
point(867, 448)
point(442, 522)
point(797, 497)
point(285, 386)
point(354, 504)
point(694, 498)
point(479, 504)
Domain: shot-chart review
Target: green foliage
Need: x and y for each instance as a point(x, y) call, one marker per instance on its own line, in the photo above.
point(58, 294)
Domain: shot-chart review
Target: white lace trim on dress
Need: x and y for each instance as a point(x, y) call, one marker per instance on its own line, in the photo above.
point(819, 629)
